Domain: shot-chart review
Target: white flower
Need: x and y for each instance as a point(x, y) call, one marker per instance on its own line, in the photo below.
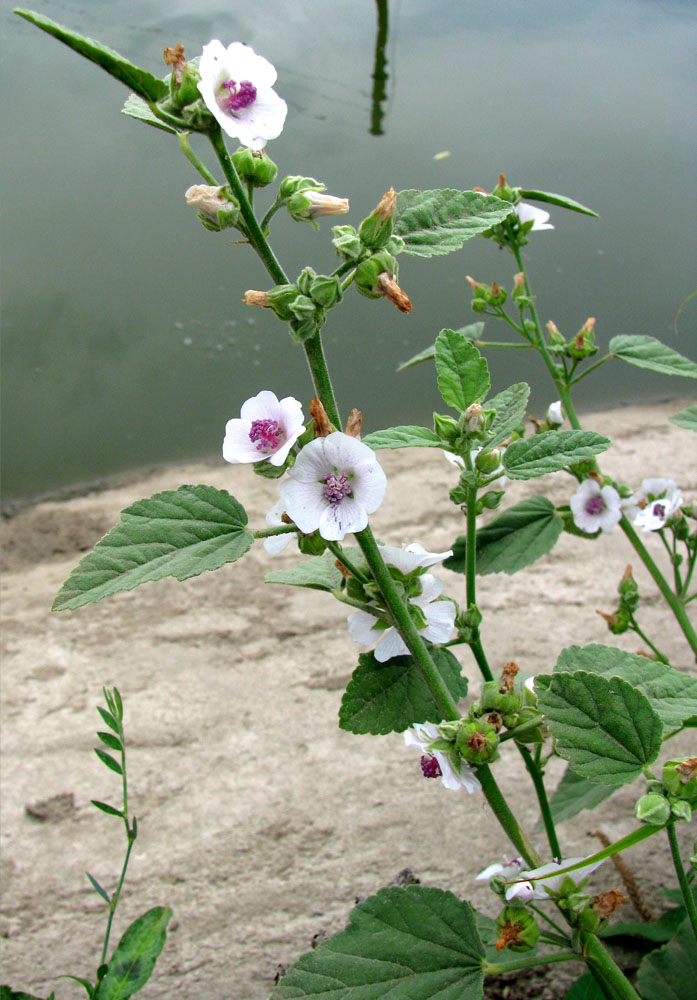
point(508, 869)
point(532, 885)
point(335, 483)
point(539, 217)
point(323, 204)
point(412, 557)
point(266, 428)
point(555, 417)
point(420, 736)
point(440, 619)
point(595, 507)
point(654, 504)
point(236, 85)
point(277, 543)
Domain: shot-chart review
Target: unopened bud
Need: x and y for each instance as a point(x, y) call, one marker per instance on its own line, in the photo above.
point(519, 282)
point(215, 206)
point(376, 230)
point(680, 778)
point(617, 622)
point(473, 418)
point(476, 286)
point(254, 298)
point(583, 344)
point(495, 295)
point(554, 336)
point(555, 417)
point(255, 166)
point(653, 808)
point(347, 243)
point(502, 190)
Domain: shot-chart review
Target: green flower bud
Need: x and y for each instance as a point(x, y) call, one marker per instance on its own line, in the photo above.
point(311, 545)
point(376, 230)
point(368, 272)
point(347, 243)
point(305, 206)
point(488, 461)
point(295, 185)
point(447, 428)
point(479, 305)
point(680, 778)
point(280, 299)
point(503, 191)
point(325, 291)
point(583, 344)
point(505, 702)
point(517, 929)
point(653, 808)
point(681, 810)
point(217, 208)
point(491, 500)
point(255, 166)
point(477, 741)
point(495, 295)
point(302, 307)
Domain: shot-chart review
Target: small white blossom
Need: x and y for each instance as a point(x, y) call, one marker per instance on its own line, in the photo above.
point(555, 417)
point(538, 216)
point(333, 486)
point(236, 86)
point(595, 508)
point(654, 504)
point(532, 885)
point(266, 428)
point(509, 869)
point(420, 736)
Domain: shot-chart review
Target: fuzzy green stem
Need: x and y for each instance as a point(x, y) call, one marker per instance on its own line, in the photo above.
point(405, 626)
point(285, 529)
point(314, 352)
point(543, 801)
point(685, 888)
point(634, 625)
point(193, 159)
point(604, 967)
point(471, 571)
point(498, 968)
point(503, 814)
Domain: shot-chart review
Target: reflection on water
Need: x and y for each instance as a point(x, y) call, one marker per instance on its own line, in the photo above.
point(125, 339)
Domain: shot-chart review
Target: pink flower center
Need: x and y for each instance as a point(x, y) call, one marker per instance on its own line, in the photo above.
point(336, 487)
point(659, 510)
point(235, 98)
point(266, 434)
point(430, 767)
point(596, 505)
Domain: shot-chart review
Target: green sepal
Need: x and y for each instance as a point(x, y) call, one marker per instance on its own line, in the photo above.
point(555, 199)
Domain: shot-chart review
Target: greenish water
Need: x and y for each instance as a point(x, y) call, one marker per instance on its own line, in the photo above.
point(124, 338)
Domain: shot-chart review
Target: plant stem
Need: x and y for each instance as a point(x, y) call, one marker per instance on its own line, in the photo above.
point(543, 801)
point(131, 834)
point(192, 158)
point(341, 556)
point(685, 888)
point(405, 626)
point(497, 968)
point(475, 643)
point(314, 352)
point(644, 638)
point(503, 814)
point(604, 967)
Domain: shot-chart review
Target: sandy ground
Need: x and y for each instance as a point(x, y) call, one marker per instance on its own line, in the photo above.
point(260, 821)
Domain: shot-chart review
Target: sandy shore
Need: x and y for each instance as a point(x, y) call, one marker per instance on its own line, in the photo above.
point(260, 821)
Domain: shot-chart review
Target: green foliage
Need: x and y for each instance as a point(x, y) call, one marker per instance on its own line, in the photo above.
point(551, 451)
point(473, 332)
point(99, 889)
point(136, 107)
point(585, 988)
point(389, 697)
point(433, 223)
point(510, 405)
point(604, 727)
point(105, 758)
point(647, 352)
point(402, 944)
point(671, 693)
point(143, 83)
point(407, 436)
point(556, 199)
point(463, 374)
point(670, 972)
point(318, 573)
point(653, 931)
point(8, 994)
point(178, 533)
point(134, 957)
point(513, 540)
point(686, 418)
point(573, 794)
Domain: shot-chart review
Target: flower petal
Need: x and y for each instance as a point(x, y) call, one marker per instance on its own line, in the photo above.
point(390, 644)
point(339, 519)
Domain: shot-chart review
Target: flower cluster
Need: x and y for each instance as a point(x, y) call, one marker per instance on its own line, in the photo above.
point(652, 506)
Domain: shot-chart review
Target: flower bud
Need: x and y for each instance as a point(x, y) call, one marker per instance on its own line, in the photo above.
point(306, 206)
point(680, 809)
point(554, 337)
point(583, 344)
point(473, 418)
point(477, 741)
point(653, 808)
point(488, 462)
point(555, 417)
point(255, 166)
point(617, 622)
point(325, 290)
point(447, 428)
point(183, 82)
point(376, 230)
point(347, 243)
point(280, 300)
point(296, 185)
point(502, 190)
point(517, 929)
point(217, 209)
point(480, 291)
point(311, 545)
point(680, 778)
point(495, 295)
point(368, 272)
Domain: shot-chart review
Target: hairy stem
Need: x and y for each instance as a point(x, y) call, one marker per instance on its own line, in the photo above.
point(685, 888)
point(543, 801)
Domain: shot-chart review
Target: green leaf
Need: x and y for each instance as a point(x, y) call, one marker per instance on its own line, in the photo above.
point(605, 728)
point(433, 223)
point(407, 436)
point(389, 697)
point(551, 451)
point(463, 374)
point(134, 957)
point(109, 719)
point(136, 107)
point(178, 533)
point(113, 742)
point(144, 83)
point(686, 418)
point(97, 887)
point(659, 931)
point(402, 944)
point(573, 794)
point(510, 405)
point(647, 352)
point(585, 988)
point(671, 693)
point(557, 199)
point(107, 759)
point(318, 573)
point(9, 994)
point(111, 810)
point(670, 972)
point(513, 540)
point(473, 332)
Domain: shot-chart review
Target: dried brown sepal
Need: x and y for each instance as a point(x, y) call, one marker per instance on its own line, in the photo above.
point(610, 619)
point(286, 519)
point(342, 569)
point(508, 676)
point(538, 424)
point(479, 190)
point(627, 876)
point(174, 56)
point(477, 742)
point(519, 282)
point(553, 329)
point(319, 415)
point(495, 719)
point(354, 424)
point(606, 903)
point(391, 290)
point(474, 285)
point(687, 769)
point(386, 206)
point(253, 298)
